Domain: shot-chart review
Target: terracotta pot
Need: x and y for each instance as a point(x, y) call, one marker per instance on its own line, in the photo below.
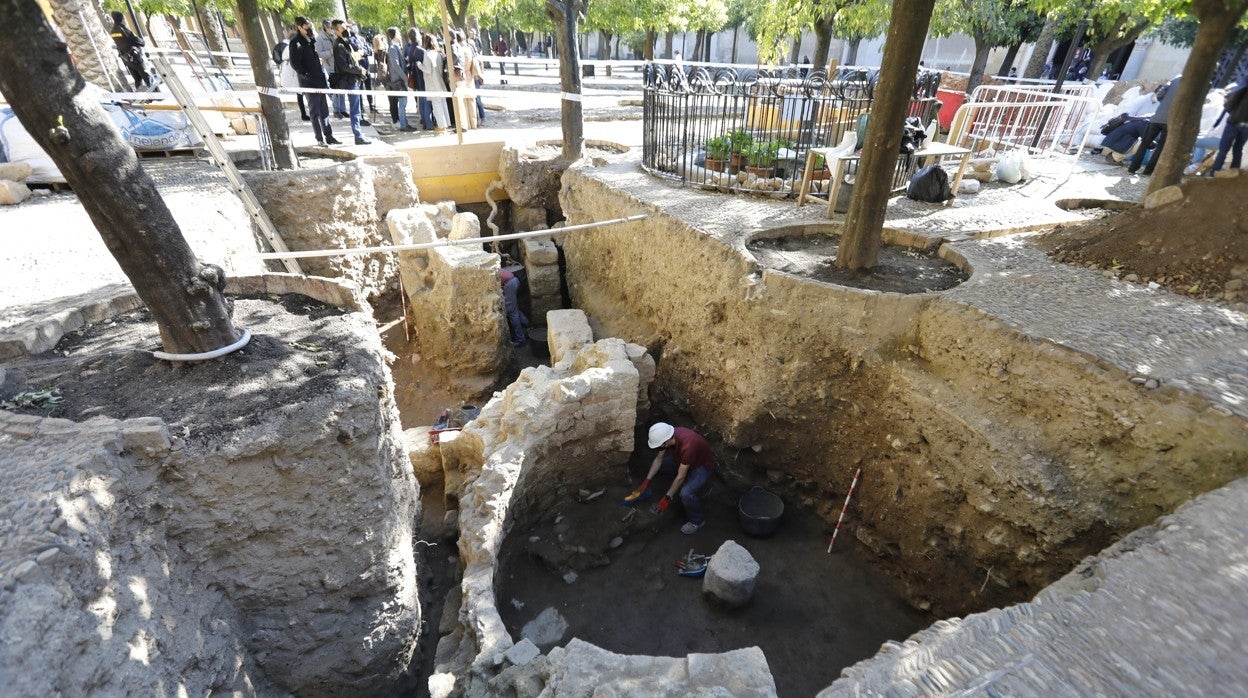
point(716, 165)
point(821, 174)
point(760, 171)
point(737, 162)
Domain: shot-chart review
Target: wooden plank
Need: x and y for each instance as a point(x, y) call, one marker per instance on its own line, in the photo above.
point(462, 188)
point(444, 160)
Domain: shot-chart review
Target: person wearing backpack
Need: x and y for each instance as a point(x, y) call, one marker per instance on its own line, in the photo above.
point(1235, 133)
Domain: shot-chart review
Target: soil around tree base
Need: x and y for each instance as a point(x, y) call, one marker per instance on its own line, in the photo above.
point(298, 349)
point(899, 270)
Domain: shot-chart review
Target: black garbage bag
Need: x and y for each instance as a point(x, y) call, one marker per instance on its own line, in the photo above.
point(930, 184)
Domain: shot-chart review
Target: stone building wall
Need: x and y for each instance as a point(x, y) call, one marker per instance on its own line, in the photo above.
point(986, 453)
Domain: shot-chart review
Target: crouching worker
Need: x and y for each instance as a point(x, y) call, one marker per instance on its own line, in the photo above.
point(686, 455)
point(515, 317)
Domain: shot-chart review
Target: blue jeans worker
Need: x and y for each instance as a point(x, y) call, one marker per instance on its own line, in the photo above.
point(515, 318)
point(685, 454)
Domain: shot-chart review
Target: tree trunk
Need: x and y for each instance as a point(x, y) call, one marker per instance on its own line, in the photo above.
point(647, 51)
point(1217, 23)
point(458, 12)
point(92, 47)
point(668, 37)
point(210, 26)
point(262, 69)
point(47, 94)
point(1008, 62)
point(736, 31)
point(823, 42)
point(851, 52)
point(411, 15)
point(697, 45)
point(1103, 49)
point(864, 224)
point(1040, 53)
point(979, 65)
point(566, 16)
point(795, 52)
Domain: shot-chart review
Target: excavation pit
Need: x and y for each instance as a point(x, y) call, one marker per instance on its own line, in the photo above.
point(812, 613)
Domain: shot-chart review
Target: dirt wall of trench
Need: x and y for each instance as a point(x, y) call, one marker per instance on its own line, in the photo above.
point(992, 462)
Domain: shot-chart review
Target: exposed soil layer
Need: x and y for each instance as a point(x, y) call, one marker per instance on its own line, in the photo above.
point(106, 369)
point(900, 269)
point(1194, 247)
point(812, 613)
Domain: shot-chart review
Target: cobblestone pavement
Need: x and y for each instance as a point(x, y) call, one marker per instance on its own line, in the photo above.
point(1164, 612)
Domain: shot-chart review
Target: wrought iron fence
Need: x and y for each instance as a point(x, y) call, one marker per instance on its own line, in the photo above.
point(750, 130)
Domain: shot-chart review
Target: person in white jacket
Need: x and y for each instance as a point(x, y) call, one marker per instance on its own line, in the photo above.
point(435, 81)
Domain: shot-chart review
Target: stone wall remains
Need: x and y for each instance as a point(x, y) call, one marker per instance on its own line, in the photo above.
point(339, 206)
point(455, 303)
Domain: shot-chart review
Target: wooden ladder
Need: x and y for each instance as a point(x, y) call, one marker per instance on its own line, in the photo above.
point(223, 161)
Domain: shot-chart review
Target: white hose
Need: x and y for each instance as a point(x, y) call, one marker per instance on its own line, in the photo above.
point(206, 355)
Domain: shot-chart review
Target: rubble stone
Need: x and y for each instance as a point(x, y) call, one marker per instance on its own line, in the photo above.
point(14, 171)
point(12, 193)
point(1162, 197)
point(731, 575)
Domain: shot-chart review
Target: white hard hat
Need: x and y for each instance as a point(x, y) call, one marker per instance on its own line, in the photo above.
point(660, 433)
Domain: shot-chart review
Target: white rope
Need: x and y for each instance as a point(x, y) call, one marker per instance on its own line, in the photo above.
point(206, 355)
point(302, 254)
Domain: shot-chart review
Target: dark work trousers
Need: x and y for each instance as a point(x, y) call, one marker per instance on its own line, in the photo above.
point(1233, 137)
point(1155, 132)
point(695, 480)
point(318, 110)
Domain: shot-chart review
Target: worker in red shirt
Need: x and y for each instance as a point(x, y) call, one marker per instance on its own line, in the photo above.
point(685, 454)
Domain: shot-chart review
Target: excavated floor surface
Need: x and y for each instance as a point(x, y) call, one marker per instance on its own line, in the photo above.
point(812, 613)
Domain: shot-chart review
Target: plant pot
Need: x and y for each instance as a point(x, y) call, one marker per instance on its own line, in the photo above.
point(760, 171)
point(737, 162)
point(716, 165)
point(821, 174)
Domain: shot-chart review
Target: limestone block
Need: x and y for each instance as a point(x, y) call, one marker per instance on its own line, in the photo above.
point(743, 672)
point(547, 628)
point(392, 180)
point(567, 331)
point(543, 305)
point(539, 251)
point(464, 226)
point(14, 171)
point(12, 192)
point(531, 176)
point(457, 311)
point(528, 218)
point(522, 652)
point(544, 281)
point(1162, 197)
point(731, 575)
point(410, 226)
point(426, 456)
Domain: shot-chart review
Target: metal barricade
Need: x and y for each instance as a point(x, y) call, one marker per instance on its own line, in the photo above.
point(1043, 124)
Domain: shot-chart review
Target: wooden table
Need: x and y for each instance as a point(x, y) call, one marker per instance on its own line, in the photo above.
point(928, 154)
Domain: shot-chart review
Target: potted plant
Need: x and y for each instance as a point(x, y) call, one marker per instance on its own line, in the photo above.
point(717, 151)
point(739, 140)
point(760, 157)
point(820, 171)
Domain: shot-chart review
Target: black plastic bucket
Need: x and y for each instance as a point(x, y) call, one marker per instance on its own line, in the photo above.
point(760, 512)
point(537, 342)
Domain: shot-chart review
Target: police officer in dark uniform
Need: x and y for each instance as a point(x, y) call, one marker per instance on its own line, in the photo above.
point(130, 47)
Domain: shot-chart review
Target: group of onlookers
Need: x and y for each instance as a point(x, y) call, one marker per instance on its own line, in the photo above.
point(336, 58)
point(1137, 141)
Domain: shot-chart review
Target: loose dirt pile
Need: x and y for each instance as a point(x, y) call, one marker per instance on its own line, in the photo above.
point(1196, 247)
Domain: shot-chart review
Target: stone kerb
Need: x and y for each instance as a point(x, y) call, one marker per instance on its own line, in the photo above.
point(260, 523)
point(529, 447)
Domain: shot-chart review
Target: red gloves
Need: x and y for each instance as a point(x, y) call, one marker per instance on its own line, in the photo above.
point(663, 504)
point(637, 493)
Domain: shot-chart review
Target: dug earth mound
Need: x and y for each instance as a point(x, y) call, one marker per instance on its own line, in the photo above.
point(242, 525)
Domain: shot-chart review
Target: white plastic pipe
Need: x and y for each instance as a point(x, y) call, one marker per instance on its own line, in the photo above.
point(206, 355)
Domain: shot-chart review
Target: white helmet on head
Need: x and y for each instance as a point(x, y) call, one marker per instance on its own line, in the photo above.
point(660, 433)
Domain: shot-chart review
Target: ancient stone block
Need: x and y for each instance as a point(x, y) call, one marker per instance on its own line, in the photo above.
point(544, 281)
point(527, 218)
point(12, 192)
point(465, 225)
point(410, 226)
point(522, 652)
point(539, 251)
point(541, 306)
point(426, 456)
point(731, 575)
point(14, 171)
point(567, 331)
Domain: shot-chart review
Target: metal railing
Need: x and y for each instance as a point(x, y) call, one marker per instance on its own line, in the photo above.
point(749, 129)
point(1042, 124)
